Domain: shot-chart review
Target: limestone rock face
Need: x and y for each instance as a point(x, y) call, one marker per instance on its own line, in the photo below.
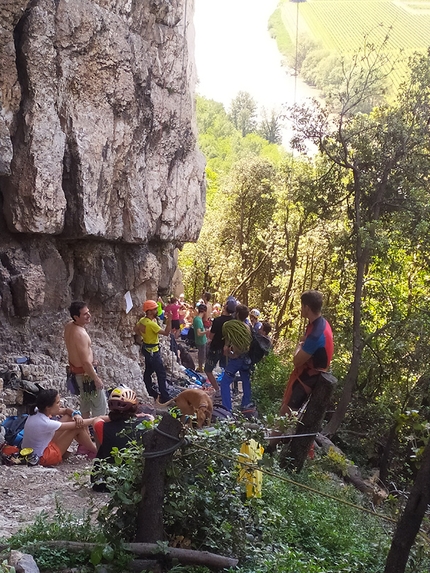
point(100, 176)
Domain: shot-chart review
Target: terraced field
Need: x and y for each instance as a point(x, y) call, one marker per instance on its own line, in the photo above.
point(341, 25)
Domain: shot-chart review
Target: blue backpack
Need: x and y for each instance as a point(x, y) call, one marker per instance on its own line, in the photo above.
point(14, 427)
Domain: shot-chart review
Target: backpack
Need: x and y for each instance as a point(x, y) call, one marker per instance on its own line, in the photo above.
point(196, 377)
point(190, 340)
point(14, 429)
point(259, 348)
point(220, 412)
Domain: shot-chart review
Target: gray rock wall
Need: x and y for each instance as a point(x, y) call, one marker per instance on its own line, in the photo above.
point(100, 176)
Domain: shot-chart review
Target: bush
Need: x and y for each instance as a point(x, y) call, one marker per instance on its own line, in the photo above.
point(67, 526)
point(268, 384)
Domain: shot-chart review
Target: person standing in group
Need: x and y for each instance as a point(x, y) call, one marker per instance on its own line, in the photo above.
point(237, 336)
point(81, 362)
point(216, 346)
point(200, 338)
point(254, 317)
point(149, 330)
point(207, 318)
point(173, 308)
point(313, 353)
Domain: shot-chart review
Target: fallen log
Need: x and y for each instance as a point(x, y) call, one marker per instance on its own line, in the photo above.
point(353, 474)
point(185, 556)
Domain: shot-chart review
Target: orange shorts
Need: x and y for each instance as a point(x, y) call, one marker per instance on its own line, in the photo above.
point(52, 455)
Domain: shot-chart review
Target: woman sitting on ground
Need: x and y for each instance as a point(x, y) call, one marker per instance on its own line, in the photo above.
point(50, 438)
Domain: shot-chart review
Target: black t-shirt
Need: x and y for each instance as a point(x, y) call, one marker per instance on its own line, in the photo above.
point(217, 342)
point(116, 434)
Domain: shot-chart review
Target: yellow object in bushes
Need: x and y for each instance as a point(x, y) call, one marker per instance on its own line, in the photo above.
point(251, 452)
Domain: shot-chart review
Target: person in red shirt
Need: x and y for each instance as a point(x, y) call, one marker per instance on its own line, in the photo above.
point(313, 353)
point(173, 308)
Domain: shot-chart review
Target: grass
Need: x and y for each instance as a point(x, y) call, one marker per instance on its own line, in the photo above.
point(341, 25)
point(279, 33)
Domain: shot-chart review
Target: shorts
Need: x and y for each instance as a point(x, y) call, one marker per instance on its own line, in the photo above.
point(212, 359)
point(201, 353)
point(175, 324)
point(52, 455)
point(94, 402)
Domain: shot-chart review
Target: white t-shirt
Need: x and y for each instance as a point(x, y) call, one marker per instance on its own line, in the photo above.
point(38, 432)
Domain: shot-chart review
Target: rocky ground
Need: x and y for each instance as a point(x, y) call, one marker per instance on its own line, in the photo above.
point(26, 491)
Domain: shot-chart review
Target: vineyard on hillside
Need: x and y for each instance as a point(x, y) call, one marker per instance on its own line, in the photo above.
point(341, 25)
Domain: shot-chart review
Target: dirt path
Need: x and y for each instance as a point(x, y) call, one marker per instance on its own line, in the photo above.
point(26, 491)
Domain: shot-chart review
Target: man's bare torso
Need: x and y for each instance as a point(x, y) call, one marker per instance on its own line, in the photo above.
point(78, 344)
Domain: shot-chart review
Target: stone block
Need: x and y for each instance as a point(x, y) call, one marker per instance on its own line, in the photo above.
point(9, 396)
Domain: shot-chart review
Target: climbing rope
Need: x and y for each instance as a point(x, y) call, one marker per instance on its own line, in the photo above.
point(180, 442)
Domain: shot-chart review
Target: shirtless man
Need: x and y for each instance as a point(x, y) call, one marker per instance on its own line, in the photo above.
point(81, 361)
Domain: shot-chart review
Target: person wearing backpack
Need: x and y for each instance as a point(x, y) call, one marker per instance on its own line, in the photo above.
point(215, 351)
point(261, 344)
point(50, 438)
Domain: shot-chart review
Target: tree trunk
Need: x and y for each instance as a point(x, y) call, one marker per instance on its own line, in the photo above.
point(353, 474)
point(386, 455)
point(150, 516)
point(357, 346)
point(410, 522)
point(293, 454)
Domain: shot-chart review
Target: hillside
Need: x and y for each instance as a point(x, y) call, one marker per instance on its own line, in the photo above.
point(341, 25)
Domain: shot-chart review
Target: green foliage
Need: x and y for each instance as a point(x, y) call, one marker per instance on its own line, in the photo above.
point(336, 462)
point(268, 384)
point(278, 32)
point(274, 228)
point(243, 113)
point(204, 502)
point(340, 28)
point(270, 126)
point(315, 531)
point(67, 526)
point(123, 480)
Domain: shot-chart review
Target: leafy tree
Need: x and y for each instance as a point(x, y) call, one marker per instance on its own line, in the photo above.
point(373, 154)
point(247, 209)
point(243, 113)
point(270, 126)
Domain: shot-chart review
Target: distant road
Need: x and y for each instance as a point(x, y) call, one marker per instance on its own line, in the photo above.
point(234, 52)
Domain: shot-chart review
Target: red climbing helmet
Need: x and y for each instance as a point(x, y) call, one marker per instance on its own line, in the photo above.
point(122, 400)
point(149, 305)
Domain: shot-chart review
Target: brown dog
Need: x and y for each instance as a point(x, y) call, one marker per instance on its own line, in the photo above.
point(192, 402)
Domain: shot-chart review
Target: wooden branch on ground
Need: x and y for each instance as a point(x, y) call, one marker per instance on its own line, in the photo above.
point(353, 474)
point(185, 556)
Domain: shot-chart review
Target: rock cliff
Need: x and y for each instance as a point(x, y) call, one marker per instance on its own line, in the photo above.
point(100, 176)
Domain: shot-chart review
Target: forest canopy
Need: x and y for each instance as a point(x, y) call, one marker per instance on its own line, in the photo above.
point(352, 221)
